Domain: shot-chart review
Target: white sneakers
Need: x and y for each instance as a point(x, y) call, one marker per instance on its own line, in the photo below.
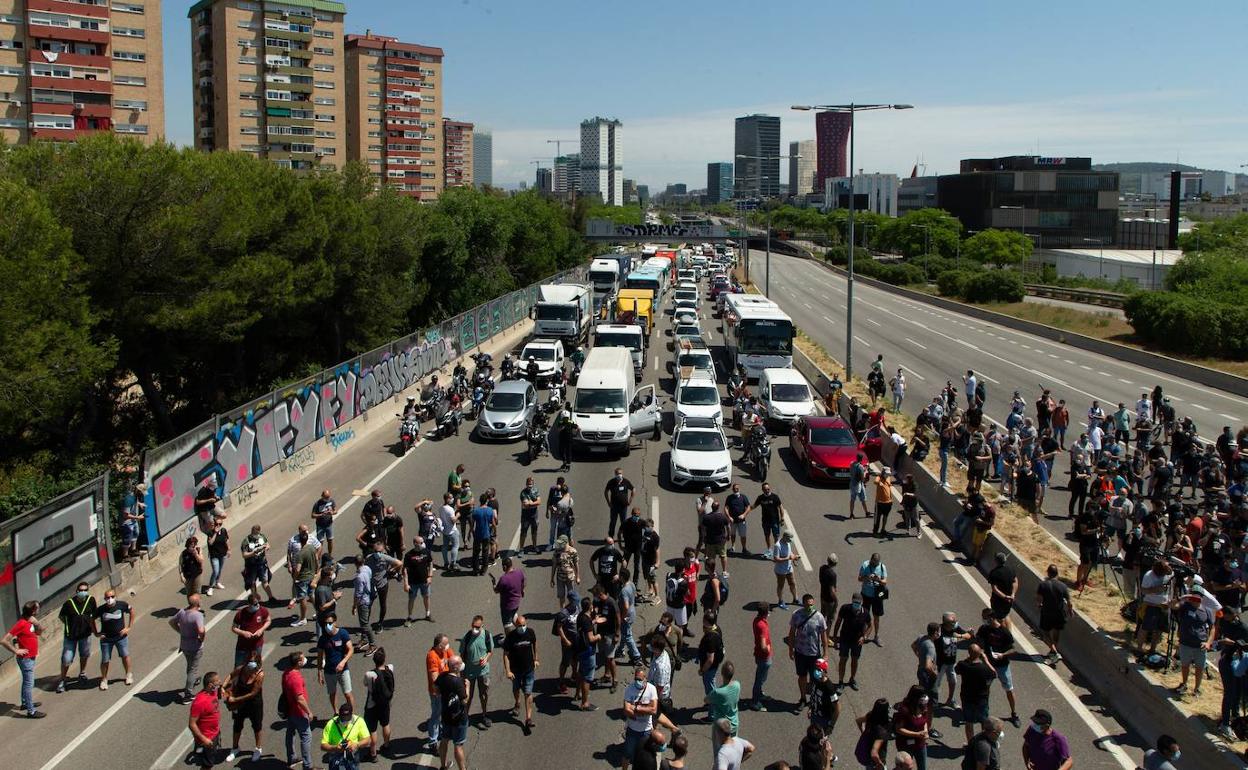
point(103, 684)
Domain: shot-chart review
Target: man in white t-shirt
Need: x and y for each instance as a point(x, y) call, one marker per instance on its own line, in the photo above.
point(1095, 437)
point(641, 702)
point(733, 751)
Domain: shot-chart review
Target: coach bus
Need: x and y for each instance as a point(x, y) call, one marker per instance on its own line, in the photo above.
point(757, 334)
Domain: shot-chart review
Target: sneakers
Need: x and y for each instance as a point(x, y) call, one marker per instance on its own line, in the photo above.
point(299, 622)
point(35, 714)
point(767, 554)
point(486, 723)
point(853, 685)
point(1180, 690)
point(255, 755)
point(129, 679)
point(1226, 732)
point(219, 585)
point(208, 592)
point(1014, 720)
point(782, 606)
point(408, 623)
point(103, 684)
point(60, 686)
point(231, 756)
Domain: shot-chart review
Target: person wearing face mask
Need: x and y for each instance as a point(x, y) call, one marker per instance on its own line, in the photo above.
point(114, 618)
point(912, 725)
point(298, 711)
point(244, 697)
point(520, 662)
point(476, 648)
point(342, 739)
point(1164, 756)
point(334, 651)
point(619, 496)
point(189, 623)
point(823, 699)
point(1043, 747)
point(77, 618)
point(649, 755)
point(249, 626)
point(984, 747)
point(1231, 642)
point(205, 722)
point(848, 632)
point(1195, 622)
point(453, 696)
point(641, 703)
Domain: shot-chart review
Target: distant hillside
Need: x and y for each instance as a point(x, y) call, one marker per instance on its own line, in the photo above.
point(1144, 167)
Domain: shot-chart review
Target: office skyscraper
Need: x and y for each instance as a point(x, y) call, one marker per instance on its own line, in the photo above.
point(832, 138)
point(718, 182)
point(758, 136)
point(602, 166)
point(482, 157)
point(802, 169)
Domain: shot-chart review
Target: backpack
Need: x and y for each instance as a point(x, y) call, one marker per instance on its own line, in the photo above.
point(383, 686)
point(676, 590)
point(723, 590)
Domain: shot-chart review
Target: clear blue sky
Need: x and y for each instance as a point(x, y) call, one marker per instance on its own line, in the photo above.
point(1120, 81)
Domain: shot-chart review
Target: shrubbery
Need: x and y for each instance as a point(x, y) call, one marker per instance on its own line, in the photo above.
point(1190, 325)
point(994, 286)
point(952, 283)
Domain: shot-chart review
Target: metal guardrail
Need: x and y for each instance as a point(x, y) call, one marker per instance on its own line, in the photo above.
point(1086, 296)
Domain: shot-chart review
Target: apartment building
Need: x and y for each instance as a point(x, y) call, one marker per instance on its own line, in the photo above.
point(72, 67)
point(457, 157)
point(269, 80)
point(394, 112)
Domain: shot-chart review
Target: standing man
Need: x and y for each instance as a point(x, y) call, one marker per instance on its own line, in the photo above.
point(565, 571)
point(783, 557)
point(520, 662)
point(304, 568)
point(249, 626)
point(763, 654)
point(632, 536)
point(873, 576)
point(1195, 621)
point(23, 641)
point(606, 563)
point(255, 550)
point(1060, 420)
point(133, 512)
point(737, 505)
point(484, 521)
point(715, 529)
point(510, 590)
point(722, 702)
point(77, 618)
point(448, 520)
point(772, 513)
point(115, 618)
point(627, 601)
point(189, 623)
point(476, 649)
point(344, 737)
point(530, 504)
point(947, 639)
point(827, 587)
point(205, 722)
point(298, 711)
point(1043, 747)
point(382, 565)
point(969, 382)
point(323, 512)
point(436, 660)
point(417, 577)
point(1004, 584)
point(334, 651)
point(732, 750)
point(858, 485)
point(977, 675)
point(453, 694)
point(1053, 599)
point(807, 641)
point(641, 703)
point(619, 496)
point(998, 644)
point(848, 633)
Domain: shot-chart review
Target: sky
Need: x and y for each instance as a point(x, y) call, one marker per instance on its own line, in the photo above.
point(1119, 81)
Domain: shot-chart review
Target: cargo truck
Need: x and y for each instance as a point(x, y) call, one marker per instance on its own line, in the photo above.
point(564, 312)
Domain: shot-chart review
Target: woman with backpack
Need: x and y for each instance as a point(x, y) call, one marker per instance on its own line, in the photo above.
point(874, 728)
point(379, 689)
point(676, 597)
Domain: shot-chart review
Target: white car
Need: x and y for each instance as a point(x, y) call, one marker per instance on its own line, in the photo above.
point(547, 353)
point(699, 454)
point(784, 396)
point(698, 396)
point(689, 359)
point(684, 316)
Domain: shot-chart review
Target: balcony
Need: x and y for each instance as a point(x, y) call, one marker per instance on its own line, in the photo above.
point(71, 84)
point(45, 32)
point(70, 59)
point(61, 134)
point(73, 9)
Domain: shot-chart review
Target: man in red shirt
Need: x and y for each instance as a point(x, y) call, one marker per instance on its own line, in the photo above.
point(205, 721)
point(762, 654)
point(249, 626)
point(298, 711)
point(23, 641)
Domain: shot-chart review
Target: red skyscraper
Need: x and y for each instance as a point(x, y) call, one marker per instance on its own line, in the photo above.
point(831, 141)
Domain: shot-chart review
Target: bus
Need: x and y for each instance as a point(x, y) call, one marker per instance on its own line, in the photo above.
point(670, 256)
point(647, 278)
point(757, 334)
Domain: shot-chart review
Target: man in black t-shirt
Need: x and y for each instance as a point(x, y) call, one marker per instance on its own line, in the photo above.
point(606, 563)
point(632, 532)
point(453, 693)
point(772, 516)
point(650, 559)
point(977, 675)
point(392, 529)
point(77, 616)
point(607, 626)
point(735, 505)
point(715, 526)
point(998, 643)
point(114, 618)
point(520, 663)
point(619, 496)
point(417, 576)
point(827, 587)
point(849, 631)
point(1088, 531)
point(1004, 585)
point(710, 651)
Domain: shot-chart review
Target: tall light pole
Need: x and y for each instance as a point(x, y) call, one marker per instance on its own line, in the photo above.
point(767, 263)
point(1101, 243)
point(927, 246)
point(850, 108)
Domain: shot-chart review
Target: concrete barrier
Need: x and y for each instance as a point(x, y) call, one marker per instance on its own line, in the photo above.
point(1172, 366)
point(1135, 699)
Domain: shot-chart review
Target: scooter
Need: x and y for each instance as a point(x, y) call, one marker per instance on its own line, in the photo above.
point(409, 431)
point(449, 420)
point(478, 401)
point(554, 396)
point(537, 440)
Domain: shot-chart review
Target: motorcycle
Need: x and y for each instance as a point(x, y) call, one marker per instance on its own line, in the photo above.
point(429, 406)
point(554, 396)
point(576, 370)
point(740, 409)
point(508, 368)
point(758, 452)
point(459, 384)
point(449, 419)
point(536, 439)
point(478, 401)
point(483, 375)
point(409, 431)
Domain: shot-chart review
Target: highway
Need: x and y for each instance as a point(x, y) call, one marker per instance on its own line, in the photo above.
point(933, 346)
point(142, 727)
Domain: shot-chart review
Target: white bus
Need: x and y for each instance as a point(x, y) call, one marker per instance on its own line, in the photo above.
point(757, 334)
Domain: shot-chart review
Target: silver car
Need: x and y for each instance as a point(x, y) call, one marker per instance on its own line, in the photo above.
point(508, 410)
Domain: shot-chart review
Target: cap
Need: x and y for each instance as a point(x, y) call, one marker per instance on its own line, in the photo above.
point(211, 482)
point(832, 559)
point(1042, 717)
point(857, 597)
point(561, 541)
point(345, 710)
point(1002, 557)
point(821, 664)
point(787, 535)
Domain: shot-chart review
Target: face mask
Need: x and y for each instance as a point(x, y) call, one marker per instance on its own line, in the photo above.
point(1176, 756)
point(857, 606)
point(817, 674)
point(1037, 727)
point(252, 665)
point(662, 747)
point(619, 477)
point(476, 631)
point(253, 607)
point(329, 627)
point(110, 601)
point(81, 594)
point(344, 720)
point(1234, 565)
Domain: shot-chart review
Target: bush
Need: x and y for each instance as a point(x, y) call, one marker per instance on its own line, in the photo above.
point(994, 286)
point(952, 283)
point(1184, 324)
point(900, 275)
point(934, 264)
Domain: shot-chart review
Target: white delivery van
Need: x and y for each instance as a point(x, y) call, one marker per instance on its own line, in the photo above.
point(608, 408)
point(628, 336)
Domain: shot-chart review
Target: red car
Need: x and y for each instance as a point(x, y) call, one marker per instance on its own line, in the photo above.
point(825, 446)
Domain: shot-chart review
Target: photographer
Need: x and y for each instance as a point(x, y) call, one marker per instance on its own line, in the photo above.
point(1155, 587)
point(1195, 622)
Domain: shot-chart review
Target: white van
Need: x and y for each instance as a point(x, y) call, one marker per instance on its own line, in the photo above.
point(784, 395)
point(608, 408)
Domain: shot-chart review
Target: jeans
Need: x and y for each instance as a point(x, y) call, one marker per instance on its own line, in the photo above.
point(27, 667)
point(302, 726)
point(761, 670)
point(435, 718)
point(217, 563)
point(363, 612)
point(920, 757)
point(627, 642)
point(343, 760)
point(1232, 693)
point(480, 554)
point(1060, 435)
point(944, 465)
point(708, 680)
point(450, 548)
point(192, 667)
point(897, 397)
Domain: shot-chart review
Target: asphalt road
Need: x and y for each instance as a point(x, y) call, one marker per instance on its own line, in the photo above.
point(933, 345)
point(141, 726)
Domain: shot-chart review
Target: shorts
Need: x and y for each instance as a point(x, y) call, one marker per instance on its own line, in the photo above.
point(588, 663)
point(303, 589)
point(456, 734)
point(1054, 622)
point(325, 533)
point(420, 589)
point(679, 614)
point(606, 647)
point(974, 712)
point(82, 647)
point(1192, 656)
point(120, 645)
point(716, 549)
point(565, 590)
point(523, 683)
point(338, 681)
point(875, 604)
point(253, 573)
point(857, 491)
point(850, 650)
point(1088, 553)
point(129, 535)
point(1156, 618)
point(772, 527)
point(804, 663)
point(1122, 435)
point(1005, 678)
point(739, 528)
point(633, 739)
point(377, 714)
point(251, 711)
point(828, 609)
point(1000, 607)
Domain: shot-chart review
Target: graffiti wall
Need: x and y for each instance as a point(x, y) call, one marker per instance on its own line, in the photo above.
point(278, 428)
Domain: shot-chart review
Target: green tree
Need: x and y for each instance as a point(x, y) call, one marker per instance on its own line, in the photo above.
point(997, 247)
point(916, 231)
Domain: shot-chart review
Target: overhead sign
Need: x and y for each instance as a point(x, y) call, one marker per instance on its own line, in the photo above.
point(606, 230)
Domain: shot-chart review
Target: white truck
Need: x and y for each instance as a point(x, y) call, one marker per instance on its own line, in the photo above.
point(605, 276)
point(564, 312)
point(628, 336)
point(608, 408)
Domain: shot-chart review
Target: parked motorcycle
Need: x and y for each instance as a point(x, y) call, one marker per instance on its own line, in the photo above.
point(483, 375)
point(758, 451)
point(449, 419)
point(536, 439)
point(409, 432)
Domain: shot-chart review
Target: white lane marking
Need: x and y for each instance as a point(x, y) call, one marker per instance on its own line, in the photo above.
point(808, 306)
point(656, 362)
point(654, 511)
point(1125, 382)
point(843, 306)
point(916, 374)
point(860, 339)
point(1174, 398)
point(1051, 355)
point(142, 684)
point(1227, 416)
point(873, 321)
point(1067, 360)
point(1085, 366)
point(916, 344)
point(983, 376)
point(829, 320)
point(1105, 738)
point(797, 543)
point(1202, 408)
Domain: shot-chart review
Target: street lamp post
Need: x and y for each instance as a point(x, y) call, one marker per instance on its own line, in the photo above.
point(767, 262)
point(850, 108)
point(927, 246)
point(1101, 266)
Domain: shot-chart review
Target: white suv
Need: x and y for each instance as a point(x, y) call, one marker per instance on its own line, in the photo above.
point(698, 396)
point(699, 454)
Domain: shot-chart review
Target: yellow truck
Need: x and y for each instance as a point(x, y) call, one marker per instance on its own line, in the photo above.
point(635, 306)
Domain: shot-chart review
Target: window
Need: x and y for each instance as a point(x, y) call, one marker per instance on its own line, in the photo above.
point(246, 24)
point(130, 104)
point(244, 43)
point(249, 78)
point(326, 134)
point(281, 96)
point(130, 80)
point(12, 44)
point(249, 96)
point(323, 51)
point(324, 84)
point(374, 134)
point(321, 117)
point(327, 101)
point(302, 148)
point(49, 71)
point(12, 123)
point(323, 33)
point(323, 17)
point(129, 7)
point(274, 42)
point(129, 128)
point(246, 60)
point(427, 110)
point(9, 70)
point(328, 151)
point(249, 130)
point(251, 148)
point(374, 148)
point(130, 56)
point(246, 6)
point(53, 121)
point(323, 67)
point(249, 113)
point(10, 18)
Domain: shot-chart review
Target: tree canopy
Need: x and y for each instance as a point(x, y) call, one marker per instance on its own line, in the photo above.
point(997, 247)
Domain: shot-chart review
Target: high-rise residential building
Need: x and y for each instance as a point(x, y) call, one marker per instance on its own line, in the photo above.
point(630, 192)
point(758, 175)
point(718, 182)
point(832, 140)
point(269, 80)
point(602, 166)
point(802, 167)
point(394, 112)
point(567, 175)
point(876, 193)
point(71, 68)
point(544, 181)
point(457, 158)
point(482, 157)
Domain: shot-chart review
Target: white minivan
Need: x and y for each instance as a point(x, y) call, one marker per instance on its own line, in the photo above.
point(784, 396)
point(608, 408)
